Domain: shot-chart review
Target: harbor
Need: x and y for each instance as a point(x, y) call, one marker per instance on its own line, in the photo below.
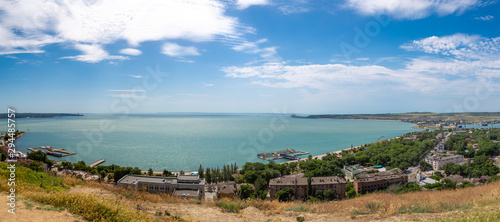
point(289, 154)
point(52, 151)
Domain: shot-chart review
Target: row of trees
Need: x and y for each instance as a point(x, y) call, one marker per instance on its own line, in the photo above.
point(216, 175)
point(479, 166)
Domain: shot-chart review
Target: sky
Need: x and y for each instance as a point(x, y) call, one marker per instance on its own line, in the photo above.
point(250, 56)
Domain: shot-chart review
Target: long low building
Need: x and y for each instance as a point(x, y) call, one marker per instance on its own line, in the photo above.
point(376, 181)
point(188, 186)
point(299, 185)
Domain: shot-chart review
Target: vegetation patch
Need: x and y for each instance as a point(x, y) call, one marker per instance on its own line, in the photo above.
point(231, 207)
point(298, 208)
point(415, 209)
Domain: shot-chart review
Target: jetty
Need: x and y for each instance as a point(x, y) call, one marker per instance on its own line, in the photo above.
point(96, 163)
point(289, 154)
point(52, 151)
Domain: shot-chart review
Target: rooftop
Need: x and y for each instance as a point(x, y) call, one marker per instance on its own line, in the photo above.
point(391, 174)
point(132, 179)
point(303, 181)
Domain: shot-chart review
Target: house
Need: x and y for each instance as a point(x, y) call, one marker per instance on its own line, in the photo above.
point(185, 186)
point(352, 171)
point(475, 146)
point(299, 185)
point(456, 179)
point(230, 190)
point(372, 182)
point(427, 180)
point(482, 179)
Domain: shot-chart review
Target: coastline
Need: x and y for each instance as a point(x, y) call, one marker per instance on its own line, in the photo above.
point(320, 156)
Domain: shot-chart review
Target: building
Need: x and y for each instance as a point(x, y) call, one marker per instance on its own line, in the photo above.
point(231, 190)
point(299, 185)
point(375, 181)
point(352, 171)
point(438, 161)
point(186, 186)
point(227, 190)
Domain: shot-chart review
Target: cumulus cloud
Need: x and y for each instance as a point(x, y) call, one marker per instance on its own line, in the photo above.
point(412, 9)
point(131, 51)
point(93, 54)
point(175, 50)
point(485, 18)
point(27, 26)
point(459, 45)
point(267, 53)
point(243, 4)
point(456, 61)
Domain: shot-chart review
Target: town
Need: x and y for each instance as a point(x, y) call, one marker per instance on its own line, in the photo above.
point(423, 160)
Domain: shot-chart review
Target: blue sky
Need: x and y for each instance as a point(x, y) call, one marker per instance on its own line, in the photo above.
point(250, 56)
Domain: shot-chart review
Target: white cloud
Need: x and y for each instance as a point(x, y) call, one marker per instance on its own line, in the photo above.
point(294, 6)
point(126, 90)
point(243, 4)
point(136, 76)
point(466, 61)
point(267, 53)
point(131, 51)
point(208, 84)
point(459, 45)
point(175, 50)
point(93, 54)
point(127, 95)
point(412, 9)
point(28, 26)
point(485, 18)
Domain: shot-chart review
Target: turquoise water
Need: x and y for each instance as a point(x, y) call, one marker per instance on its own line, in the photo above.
point(182, 142)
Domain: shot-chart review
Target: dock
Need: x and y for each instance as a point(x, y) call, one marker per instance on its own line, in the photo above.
point(97, 163)
point(52, 151)
point(289, 154)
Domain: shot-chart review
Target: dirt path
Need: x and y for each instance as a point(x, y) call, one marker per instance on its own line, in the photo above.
point(28, 211)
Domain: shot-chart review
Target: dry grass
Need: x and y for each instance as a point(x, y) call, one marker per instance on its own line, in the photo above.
point(478, 203)
point(384, 204)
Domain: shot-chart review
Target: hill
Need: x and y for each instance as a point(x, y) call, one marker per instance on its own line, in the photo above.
point(93, 201)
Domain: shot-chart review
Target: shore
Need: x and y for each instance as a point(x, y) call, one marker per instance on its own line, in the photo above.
point(320, 156)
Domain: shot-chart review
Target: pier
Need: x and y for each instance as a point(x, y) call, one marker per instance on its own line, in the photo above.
point(52, 151)
point(289, 154)
point(97, 163)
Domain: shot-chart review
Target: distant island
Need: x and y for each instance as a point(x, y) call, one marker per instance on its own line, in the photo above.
point(38, 115)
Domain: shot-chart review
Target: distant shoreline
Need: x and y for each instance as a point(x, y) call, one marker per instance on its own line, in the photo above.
point(37, 115)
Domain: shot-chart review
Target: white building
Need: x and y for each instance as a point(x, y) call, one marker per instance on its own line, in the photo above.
point(438, 161)
point(188, 186)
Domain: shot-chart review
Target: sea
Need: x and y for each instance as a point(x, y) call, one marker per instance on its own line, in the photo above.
point(184, 141)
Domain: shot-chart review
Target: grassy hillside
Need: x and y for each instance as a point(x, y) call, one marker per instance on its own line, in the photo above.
point(100, 202)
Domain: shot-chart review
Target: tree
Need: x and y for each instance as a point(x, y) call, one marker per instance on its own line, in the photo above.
point(150, 172)
point(424, 166)
point(166, 173)
point(201, 172)
point(260, 184)
point(182, 172)
point(3, 157)
point(37, 156)
point(285, 194)
point(309, 186)
point(351, 193)
point(245, 191)
point(208, 176)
